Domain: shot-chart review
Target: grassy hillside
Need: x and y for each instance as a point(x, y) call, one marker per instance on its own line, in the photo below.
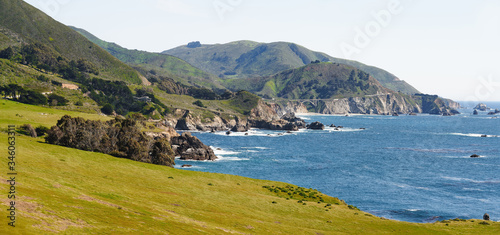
point(62, 190)
point(18, 114)
point(20, 24)
point(165, 65)
point(313, 81)
point(243, 59)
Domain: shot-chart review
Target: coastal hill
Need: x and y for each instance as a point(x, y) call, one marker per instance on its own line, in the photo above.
point(23, 25)
point(313, 81)
point(161, 64)
point(64, 190)
point(243, 59)
point(332, 88)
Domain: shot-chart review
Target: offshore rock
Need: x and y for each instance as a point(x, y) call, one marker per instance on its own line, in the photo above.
point(240, 128)
point(188, 147)
point(481, 107)
point(316, 126)
point(497, 111)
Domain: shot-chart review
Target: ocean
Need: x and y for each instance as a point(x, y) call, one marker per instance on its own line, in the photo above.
point(408, 168)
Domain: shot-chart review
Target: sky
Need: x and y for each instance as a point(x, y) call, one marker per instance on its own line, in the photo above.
point(450, 48)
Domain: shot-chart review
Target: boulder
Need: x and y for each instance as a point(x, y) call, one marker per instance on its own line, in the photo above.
point(475, 112)
point(182, 124)
point(239, 128)
point(333, 125)
point(395, 114)
point(486, 216)
point(454, 112)
point(316, 126)
point(290, 127)
point(497, 111)
point(474, 156)
point(186, 165)
point(188, 147)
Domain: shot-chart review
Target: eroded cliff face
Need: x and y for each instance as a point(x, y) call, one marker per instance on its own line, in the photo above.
point(265, 111)
point(380, 104)
point(385, 104)
point(187, 120)
point(289, 107)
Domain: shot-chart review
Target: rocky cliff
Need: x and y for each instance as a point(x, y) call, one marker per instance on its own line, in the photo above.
point(376, 104)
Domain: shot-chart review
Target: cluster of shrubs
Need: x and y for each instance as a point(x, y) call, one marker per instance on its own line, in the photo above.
point(27, 96)
point(44, 58)
point(29, 130)
point(118, 137)
point(301, 194)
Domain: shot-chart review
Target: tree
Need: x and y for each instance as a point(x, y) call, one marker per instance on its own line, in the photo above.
point(7, 53)
point(57, 100)
point(33, 97)
point(107, 109)
point(199, 104)
point(194, 44)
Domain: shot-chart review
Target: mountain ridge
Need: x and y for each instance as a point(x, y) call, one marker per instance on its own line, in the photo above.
point(243, 59)
point(165, 65)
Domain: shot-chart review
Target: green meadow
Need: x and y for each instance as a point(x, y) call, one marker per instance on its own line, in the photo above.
point(69, 191)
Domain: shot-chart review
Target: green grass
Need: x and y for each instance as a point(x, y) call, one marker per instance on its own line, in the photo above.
point(17, 114)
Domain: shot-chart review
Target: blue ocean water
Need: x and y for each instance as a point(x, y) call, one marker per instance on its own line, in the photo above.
point(410, 168)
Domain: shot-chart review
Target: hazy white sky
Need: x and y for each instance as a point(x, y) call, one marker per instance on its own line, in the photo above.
point(450, 48)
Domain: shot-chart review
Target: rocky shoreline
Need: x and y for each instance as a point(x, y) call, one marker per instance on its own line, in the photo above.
point(281, 117)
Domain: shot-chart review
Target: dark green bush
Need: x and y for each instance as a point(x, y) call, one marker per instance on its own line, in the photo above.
point(199, 104)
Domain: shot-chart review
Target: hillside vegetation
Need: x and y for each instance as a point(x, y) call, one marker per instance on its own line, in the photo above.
point(161, 64)
point(244, 59)
point(64, 190)
point(20, 23)
point(314, 81)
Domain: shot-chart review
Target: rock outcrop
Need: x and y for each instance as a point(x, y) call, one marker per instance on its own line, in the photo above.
point(497, 111)
point(475, 112)
point(316, 126)
point(188, 147)
point(482, 107)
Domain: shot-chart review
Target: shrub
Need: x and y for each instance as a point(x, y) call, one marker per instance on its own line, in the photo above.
point(33, 97)
point(41, 130)
point(28, 130)
point(199, 104)
point(118, 137)
point(107, 109)
point(57, 100)
point(42, 78)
